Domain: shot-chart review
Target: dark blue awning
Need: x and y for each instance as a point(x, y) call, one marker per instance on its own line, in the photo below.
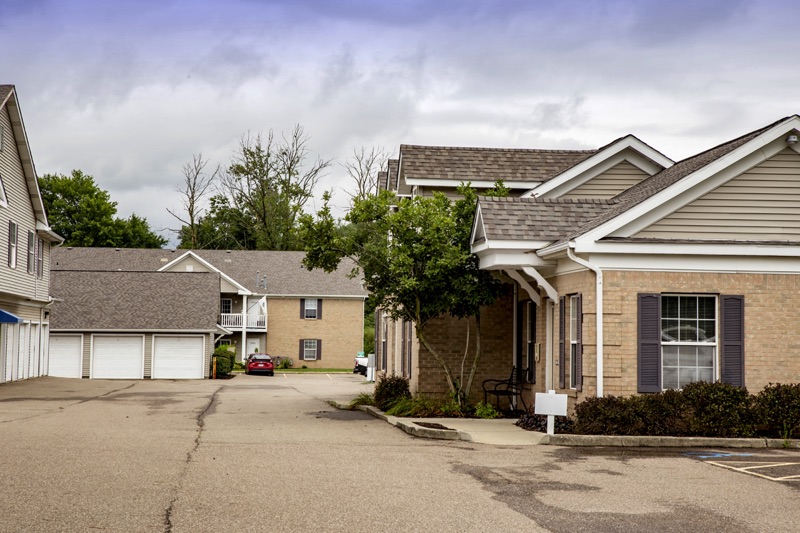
point(8, 318)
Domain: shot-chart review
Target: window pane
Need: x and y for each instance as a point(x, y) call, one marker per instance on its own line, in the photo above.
point(688, 356)
point(688, 306)
point(669, 307)
point(705, 356)
point(686, 376)
point(669, 378)
point(688, 331)
point(670, 355)
point(669, 330)
point(705, 374)
point(707, 308)
point(707, 331)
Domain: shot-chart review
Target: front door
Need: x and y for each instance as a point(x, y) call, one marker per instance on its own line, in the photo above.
point(253, 345)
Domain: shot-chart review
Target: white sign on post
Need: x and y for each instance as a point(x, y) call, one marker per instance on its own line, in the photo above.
point(552, 405)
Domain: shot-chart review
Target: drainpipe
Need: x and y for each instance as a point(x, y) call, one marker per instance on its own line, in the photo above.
point(549, 321)
point(598, 315)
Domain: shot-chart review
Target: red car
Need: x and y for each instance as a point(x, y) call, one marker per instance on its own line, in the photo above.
point(259, 362)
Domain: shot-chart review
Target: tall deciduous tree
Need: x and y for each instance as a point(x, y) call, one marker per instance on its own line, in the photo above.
point(84, 214)
point(194, 188)
point(221, 228)
point(415, 258)
point(269, 181)
point(363, 168)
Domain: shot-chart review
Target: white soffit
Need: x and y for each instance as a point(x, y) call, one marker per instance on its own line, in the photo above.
point(696, 184)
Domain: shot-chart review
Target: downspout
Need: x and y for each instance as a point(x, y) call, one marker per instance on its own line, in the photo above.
point(549, 321)
point(598, 315)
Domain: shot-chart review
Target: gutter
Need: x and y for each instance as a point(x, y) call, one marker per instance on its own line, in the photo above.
point(598, 314)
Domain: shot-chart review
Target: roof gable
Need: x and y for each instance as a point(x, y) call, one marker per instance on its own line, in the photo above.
point(657, 197)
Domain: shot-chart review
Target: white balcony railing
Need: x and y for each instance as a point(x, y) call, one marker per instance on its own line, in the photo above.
point(234, 320)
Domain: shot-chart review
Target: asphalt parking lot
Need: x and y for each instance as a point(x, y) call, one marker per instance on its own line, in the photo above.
point(259, 453)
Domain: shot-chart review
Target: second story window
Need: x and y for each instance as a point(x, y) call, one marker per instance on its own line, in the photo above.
point(40, 259)
point(225, 306)
point(311, 308)
point(12, 244)
point(31, 252)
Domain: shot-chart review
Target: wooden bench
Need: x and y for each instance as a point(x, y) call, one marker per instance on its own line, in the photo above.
point(507, 388)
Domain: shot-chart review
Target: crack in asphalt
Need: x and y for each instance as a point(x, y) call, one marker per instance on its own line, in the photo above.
point(62, 408)
point(201, 422)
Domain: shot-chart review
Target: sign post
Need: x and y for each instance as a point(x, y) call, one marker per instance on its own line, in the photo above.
point(552, 405)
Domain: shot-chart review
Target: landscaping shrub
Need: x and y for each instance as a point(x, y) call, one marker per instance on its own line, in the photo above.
point(533, 422)
point(389, 389)
point(225, 358)
point(663, 414)
point(486, 410)
point(421, 406)
point(778, 408)
point(284, 363)
point(718, 410)
point(610, 415)
point(363, 398)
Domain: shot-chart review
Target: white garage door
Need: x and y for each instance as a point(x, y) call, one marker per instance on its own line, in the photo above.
point(66, 356)
point(178, 357)
point(117, 357)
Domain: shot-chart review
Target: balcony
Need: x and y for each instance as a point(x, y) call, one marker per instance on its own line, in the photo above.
point(234, 321)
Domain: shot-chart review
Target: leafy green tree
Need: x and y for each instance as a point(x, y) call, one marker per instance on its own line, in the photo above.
point(221, 228)
point(84, 214)
point(415, 258)
point(269, 182)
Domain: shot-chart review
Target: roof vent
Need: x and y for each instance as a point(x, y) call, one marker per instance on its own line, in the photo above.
point(791, 139)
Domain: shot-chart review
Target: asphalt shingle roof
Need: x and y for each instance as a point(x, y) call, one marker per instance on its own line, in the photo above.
point(284, 271)
point(536, 219)
point(492, 164)
point(92, 300)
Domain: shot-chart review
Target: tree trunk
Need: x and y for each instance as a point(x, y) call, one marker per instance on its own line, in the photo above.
point(448, 374)
point(477, 355)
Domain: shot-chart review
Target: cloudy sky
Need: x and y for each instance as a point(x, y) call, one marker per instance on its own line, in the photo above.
point(128, 90)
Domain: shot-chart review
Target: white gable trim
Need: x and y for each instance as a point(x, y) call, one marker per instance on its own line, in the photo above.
point(168, 266)
point(691, 187)
point(477, 223)
point(480, 184)
point(628, 148)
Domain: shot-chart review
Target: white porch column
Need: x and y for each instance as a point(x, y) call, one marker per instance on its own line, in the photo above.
point(244, 327)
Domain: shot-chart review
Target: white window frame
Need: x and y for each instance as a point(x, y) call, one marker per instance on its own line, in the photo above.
point(223, 342)
point(31, 252)
point(222, 302)
point(310, 312)
point(573, 341)
point(39, 258)
point(689, 344)
point(13, 238)
point(309, 347)
point(3, 198)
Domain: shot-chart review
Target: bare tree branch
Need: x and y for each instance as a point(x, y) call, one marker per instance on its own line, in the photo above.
point(195, 186)
point(363, 168)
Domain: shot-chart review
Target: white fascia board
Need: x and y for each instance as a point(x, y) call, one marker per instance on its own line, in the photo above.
point(478, 220)
point(519, 246)
point(723, 264)
point(686, 189)
point(481, 184)
point(684, 249)
point(242, 290)
point(508, 259)
point(602, 161)
point(319, 297)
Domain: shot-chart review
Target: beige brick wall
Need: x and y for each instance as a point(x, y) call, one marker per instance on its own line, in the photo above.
point(341, 330)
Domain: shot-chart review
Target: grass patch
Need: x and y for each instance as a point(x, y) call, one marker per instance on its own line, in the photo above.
point(363, 398)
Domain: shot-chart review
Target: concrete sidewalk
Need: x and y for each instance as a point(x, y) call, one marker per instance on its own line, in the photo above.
point(504, 432)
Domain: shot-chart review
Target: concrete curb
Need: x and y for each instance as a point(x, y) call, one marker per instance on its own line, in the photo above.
point(587, 440)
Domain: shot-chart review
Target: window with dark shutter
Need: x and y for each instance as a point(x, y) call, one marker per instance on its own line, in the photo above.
point(12, 244)
point(301, 355)
point(40, 258)
point(31, 252)
point(578, 345)
point(319, 349)
point(531, 347)
point(562, 333)
point(732, 339)
point(649, 341)
point(319, 309)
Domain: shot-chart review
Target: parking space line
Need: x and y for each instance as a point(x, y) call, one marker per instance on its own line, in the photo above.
point(749, 470)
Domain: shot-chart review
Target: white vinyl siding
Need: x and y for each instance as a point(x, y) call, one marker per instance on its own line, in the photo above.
point(117, 357)
point(762, 204)
point(66, 356)
point(178, 357)
point(610, 183)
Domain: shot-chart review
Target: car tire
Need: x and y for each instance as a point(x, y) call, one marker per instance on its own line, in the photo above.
point(271, 374)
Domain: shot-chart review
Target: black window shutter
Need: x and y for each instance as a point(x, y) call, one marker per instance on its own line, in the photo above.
point(319, 309)
point(11, 238)
point(302, 307)
point(319, 349)
point(532, 344)
point(732, 336)
point(562, 331)
point(649, 340)
point(579, 346)
point(31, 254)
point(520, 335)
point(302, 350)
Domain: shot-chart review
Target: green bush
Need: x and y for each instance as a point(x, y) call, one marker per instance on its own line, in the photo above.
point(389, 389)
point(363, 398)
point(421, 406)
point(778, 408)
point(486, 410)
point(533, 422)
point(225, 359)
point(718, 410)
point(284, 363)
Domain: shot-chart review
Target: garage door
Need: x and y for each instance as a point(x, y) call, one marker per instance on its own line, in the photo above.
point(65, 356)
point(178, 357)
point(117, 357)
